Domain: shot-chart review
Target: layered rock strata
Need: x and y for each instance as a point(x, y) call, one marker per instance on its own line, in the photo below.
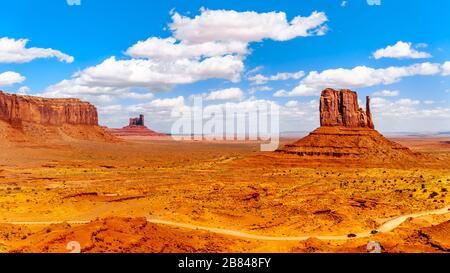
point(341, 108)
point(16, 109)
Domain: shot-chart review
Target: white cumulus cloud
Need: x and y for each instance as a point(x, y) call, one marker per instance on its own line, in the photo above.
point(23, 90)
point(169, 48)
point(15, 51)
point(409, 115)
point(357, 77)
point(291, 103)
point(261, 79)
point(9, 78)
point(446, 69)
point(401, 50)
point(387, 93)
point(249, 26)
point(114, 76)
point(226, 94)
point(169, 102)
point(255, 89)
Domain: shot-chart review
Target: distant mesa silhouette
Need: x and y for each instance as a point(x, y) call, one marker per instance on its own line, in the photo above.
point(137, 121)
point(136, 127)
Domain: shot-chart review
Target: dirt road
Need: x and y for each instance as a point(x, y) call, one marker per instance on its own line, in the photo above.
point(386, 227)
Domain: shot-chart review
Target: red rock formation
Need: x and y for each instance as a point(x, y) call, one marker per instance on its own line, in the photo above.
point(340, 108)
point(135, 128)
point(16, 109)
point(347, 135)
point(35, 120)
point(137, 121)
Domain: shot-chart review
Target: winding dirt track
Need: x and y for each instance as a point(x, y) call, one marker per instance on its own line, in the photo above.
point(386, 227)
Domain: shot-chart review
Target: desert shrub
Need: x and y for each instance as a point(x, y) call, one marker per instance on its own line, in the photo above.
point(433, 195)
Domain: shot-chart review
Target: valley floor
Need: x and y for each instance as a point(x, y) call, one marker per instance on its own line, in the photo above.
point(115, 187)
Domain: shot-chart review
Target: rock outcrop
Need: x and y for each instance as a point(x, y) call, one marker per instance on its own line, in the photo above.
point(140, 121)
point(136, 128)
point(16, 109)
point(36, 120)
point(347, 135)
point(341, 108)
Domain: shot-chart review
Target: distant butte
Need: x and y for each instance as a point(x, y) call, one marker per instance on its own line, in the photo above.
point(347, 133)
point(136, 127)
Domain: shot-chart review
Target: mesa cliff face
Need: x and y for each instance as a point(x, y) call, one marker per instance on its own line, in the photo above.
point(16, 109)
point(340, 108)
point(36, 120)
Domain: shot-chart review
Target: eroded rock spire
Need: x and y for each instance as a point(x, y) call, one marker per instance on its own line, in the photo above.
point(341, 108)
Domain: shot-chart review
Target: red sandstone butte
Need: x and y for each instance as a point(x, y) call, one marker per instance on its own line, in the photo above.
point(340, 108)
point(16, 109)
point(347, 135)
point(136, 127)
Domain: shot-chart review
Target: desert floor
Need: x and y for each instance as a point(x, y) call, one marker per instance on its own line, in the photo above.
point(160, 195)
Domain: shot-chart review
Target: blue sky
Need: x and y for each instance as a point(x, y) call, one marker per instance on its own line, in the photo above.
point(414, 97)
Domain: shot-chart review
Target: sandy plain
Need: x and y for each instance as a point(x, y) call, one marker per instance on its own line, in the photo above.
point(117, 196)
